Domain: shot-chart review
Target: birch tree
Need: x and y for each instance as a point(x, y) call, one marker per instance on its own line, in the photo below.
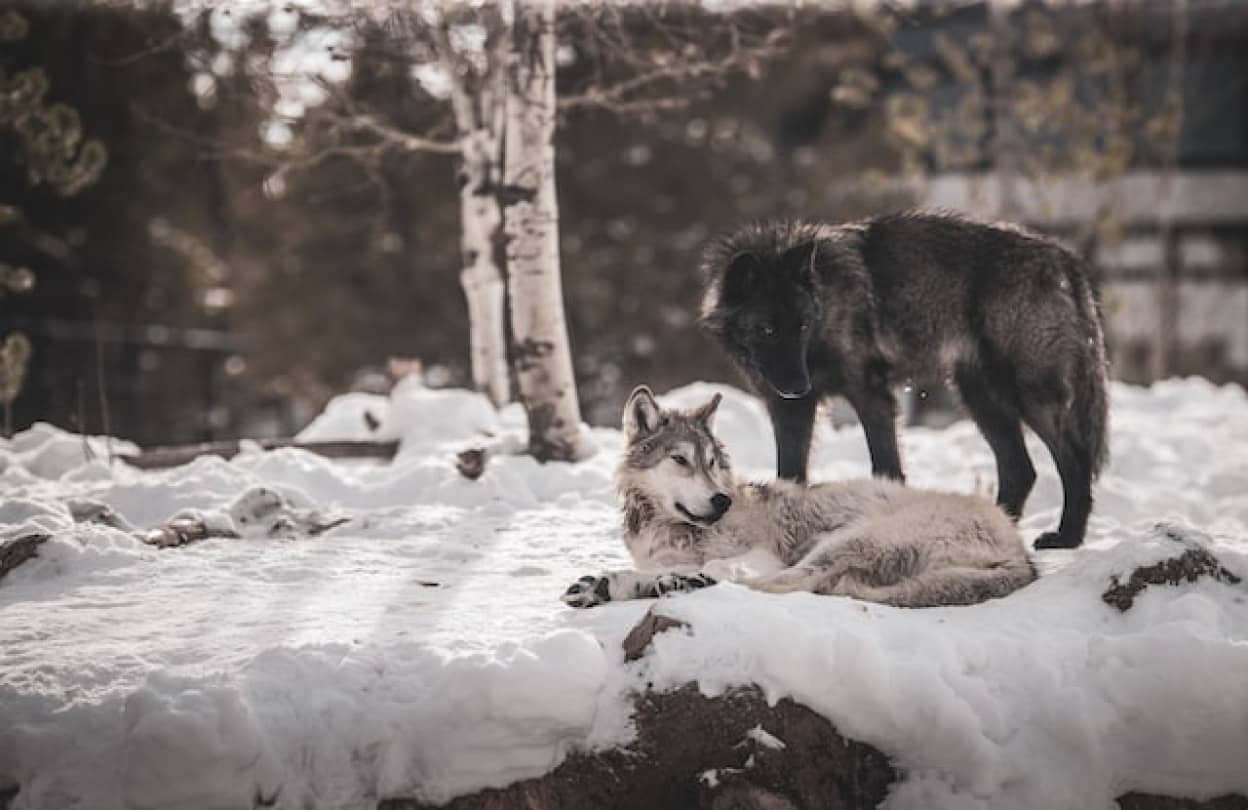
point(478, 93)
point(495, 65)
point(458, 54)
point(543, 356)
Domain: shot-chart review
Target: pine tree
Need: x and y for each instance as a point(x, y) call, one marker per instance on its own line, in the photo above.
point(50, 147)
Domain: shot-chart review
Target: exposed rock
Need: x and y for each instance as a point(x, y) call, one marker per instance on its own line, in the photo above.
point(1195, 562)
point(471, 462)
point(694, 751)
point(638, 639)
point(18, 550)
point(684, 741)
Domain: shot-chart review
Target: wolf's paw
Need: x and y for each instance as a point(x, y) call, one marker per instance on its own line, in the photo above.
point(679, 583)
point(588, 591)
point(1055, 540)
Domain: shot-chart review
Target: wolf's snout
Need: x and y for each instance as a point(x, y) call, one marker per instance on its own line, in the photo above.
point(794, 393)
point(793, 389)
point(790, 380)
point(720, 503)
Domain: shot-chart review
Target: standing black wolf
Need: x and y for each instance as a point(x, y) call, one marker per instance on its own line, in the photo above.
point(810, 311)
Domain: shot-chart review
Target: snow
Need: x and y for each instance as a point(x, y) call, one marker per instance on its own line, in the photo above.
point(420, 649)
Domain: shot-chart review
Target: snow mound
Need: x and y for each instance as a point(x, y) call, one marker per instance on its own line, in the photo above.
point(422, 419)
point(982, 706)
point(420, 649)
point(352, 417)
point(49, 452)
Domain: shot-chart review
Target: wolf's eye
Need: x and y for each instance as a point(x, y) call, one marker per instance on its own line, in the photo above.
point(805, 327)
point(769, 330)
point(681, 460)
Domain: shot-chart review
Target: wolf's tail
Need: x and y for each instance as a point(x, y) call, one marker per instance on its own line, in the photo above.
point(1091, 389)
point(946, 586)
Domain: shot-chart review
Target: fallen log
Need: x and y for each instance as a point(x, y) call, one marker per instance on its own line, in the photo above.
point(183, 531)
point(176, 455)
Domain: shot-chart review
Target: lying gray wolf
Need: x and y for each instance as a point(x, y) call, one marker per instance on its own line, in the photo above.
point(810, 311)
point(689, 524)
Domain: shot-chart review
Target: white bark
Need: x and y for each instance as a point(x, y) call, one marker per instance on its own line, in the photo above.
point(480, 225)
point(477, 104)
point(541, 352)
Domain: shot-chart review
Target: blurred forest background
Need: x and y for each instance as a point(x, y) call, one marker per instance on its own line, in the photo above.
point(213, 218)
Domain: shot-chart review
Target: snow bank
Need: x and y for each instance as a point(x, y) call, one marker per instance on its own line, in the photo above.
point(49, 452)
point(984, 706)
point(420, 649)
point(422, 419)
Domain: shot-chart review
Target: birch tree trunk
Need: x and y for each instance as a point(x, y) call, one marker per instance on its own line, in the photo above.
point(541, 352)
point(481, 222)
point(477, 98)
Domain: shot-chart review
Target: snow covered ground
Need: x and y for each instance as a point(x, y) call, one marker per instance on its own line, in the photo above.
point(420, 649)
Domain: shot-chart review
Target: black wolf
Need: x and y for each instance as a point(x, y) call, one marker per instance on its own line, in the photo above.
point(1008, 316)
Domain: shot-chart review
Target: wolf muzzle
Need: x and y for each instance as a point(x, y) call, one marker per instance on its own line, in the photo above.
point(720, 504)
point(791, 388)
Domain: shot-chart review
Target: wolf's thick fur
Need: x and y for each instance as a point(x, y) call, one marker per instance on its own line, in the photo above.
point(688, 523)
point(810, 311)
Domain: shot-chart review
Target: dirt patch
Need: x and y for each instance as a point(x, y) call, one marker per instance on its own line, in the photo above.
point(693, 751)
point(1195, 562)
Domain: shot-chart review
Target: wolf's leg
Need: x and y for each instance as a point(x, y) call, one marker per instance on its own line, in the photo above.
point(1002, 428)
point(792, 421)
point(833, 556)
point(790, 580)
point(750, 565)
point(1051, 420)
point(877, 411)
point(591, 590)
point(940, 586)
point(1075, 470)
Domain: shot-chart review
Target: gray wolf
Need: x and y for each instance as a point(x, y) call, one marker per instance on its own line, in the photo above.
point(689, 524)
point(809, 311)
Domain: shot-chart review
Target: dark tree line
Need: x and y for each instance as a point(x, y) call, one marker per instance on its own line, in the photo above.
point(216, 284)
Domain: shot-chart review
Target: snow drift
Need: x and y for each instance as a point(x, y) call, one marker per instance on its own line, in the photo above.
point(420, 649)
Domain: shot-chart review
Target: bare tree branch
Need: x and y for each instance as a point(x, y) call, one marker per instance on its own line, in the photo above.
point(688, 64)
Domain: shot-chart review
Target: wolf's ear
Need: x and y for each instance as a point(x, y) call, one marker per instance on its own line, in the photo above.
point(642, 413)
point(706, 413)
point(740, 276)
point(800, 259)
